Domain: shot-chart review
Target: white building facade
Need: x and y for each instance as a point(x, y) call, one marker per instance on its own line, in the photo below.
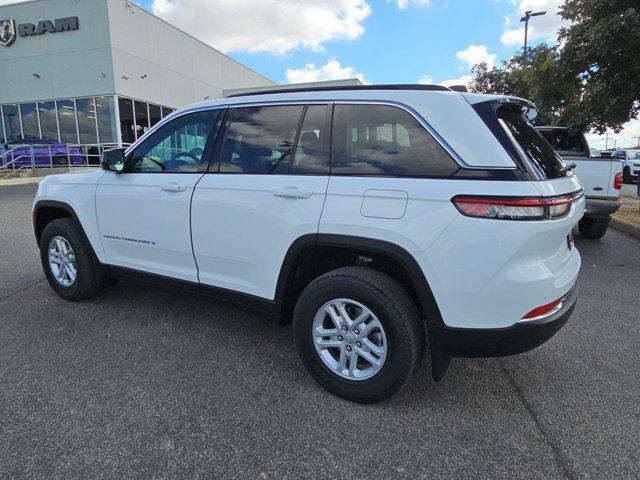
point(101, 72)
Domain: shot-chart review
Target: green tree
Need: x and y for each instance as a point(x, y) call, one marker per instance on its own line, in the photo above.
point(591, 81)
point(602, 48)
point(541, 80)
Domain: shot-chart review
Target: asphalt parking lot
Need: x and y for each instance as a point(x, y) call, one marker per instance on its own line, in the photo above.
point(148, 383)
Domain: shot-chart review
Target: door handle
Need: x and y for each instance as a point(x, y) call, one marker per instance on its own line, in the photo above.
point(173, 187)
point(292, 192)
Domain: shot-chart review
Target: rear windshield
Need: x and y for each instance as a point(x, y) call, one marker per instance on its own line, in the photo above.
point(565, 143)
point(536, 150)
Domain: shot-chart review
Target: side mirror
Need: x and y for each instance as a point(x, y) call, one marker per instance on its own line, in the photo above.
point(114, 160)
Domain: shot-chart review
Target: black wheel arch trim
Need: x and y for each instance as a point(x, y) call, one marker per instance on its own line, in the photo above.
point(402, 256)
point(67, 208)
point(54, 204)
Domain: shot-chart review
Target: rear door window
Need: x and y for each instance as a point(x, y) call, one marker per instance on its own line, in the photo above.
point(260, 140)
point(531, 146)
point(312, 150)
point(385, 140)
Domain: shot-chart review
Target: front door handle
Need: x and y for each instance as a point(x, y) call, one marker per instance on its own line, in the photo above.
point(173, 187)
point(292, 192)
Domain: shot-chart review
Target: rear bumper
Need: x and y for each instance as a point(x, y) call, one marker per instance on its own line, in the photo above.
point(601, 208)
point(519, 338)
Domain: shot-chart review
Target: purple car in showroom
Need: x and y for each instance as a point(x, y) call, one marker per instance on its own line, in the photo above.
point(46, 153)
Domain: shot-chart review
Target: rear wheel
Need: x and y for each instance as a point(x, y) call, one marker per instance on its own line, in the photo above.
point(68, 261)
point(593, 228)
point(359, 334)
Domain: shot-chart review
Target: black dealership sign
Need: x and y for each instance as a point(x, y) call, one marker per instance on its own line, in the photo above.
point(47, 26)
point(8, 30)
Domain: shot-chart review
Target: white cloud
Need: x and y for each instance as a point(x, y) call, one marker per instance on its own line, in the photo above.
point(404, 4)
point(275, 26)
point(470, 57)
point(625, 139)
point(7, 2)
point(475, 54)
point(540, 28)
point(462, 80)
point(332, 70)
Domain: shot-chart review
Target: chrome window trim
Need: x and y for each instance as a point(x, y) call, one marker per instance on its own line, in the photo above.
point(417, 116)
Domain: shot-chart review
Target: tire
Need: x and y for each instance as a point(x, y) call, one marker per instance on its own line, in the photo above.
point(626, 175)
point(88, 279)
point(402, 330)
point(60, 161)
point(594, 228)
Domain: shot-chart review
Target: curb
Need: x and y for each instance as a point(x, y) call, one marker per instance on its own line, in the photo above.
point(626, 227)
point(20, 181)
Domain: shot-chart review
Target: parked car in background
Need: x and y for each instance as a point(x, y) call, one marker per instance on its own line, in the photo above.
point(46, 153)
point(630, 164)
point(601, 178)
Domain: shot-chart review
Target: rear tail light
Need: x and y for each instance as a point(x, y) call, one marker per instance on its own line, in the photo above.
point(515, 208)
point(617, 181)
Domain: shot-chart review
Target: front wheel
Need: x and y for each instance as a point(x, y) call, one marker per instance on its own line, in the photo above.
point(359, 334)
point(593, 228)
point(68, 261)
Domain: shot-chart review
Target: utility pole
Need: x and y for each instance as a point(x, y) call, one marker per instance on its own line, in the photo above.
point(606, 141)
point(527, 15)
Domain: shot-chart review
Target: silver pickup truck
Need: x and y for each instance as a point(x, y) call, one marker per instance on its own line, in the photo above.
point(601, 178)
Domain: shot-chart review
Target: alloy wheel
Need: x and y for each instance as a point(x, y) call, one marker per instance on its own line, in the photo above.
point(349, 339)
point(62, 261)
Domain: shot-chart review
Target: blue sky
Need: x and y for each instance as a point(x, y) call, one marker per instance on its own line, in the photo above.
point(401, 46)
point(401, 40)
point(378, 41)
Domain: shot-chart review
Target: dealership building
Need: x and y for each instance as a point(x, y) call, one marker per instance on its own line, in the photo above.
point(102, 72)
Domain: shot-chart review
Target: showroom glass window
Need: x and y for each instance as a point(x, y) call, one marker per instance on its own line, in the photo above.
point(142, 118)
point(48, 121)
point(86, 112)
point(260, 139)
point(67, 121)
point(127, 128)
point(384, 140)
point(166, 111)
point(177, 147)
point(107, 127)
point(155, 114)
point(11, 117)
point(29, 114)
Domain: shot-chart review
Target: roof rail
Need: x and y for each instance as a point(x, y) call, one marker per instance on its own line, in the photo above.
point(439, 88)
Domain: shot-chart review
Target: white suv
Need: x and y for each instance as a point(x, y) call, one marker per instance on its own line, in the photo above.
point(374, 218)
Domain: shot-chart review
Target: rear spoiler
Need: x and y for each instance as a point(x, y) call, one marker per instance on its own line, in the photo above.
point(530, 109)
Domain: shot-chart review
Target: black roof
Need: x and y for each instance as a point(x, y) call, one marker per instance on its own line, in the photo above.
point(343, 88)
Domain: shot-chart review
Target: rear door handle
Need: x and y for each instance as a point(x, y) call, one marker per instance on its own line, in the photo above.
point(292, 192)
point(173, 187)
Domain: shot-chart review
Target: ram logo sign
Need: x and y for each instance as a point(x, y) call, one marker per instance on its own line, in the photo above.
point(7, 32)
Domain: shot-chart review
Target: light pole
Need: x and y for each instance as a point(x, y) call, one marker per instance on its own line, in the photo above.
point(527, 15)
